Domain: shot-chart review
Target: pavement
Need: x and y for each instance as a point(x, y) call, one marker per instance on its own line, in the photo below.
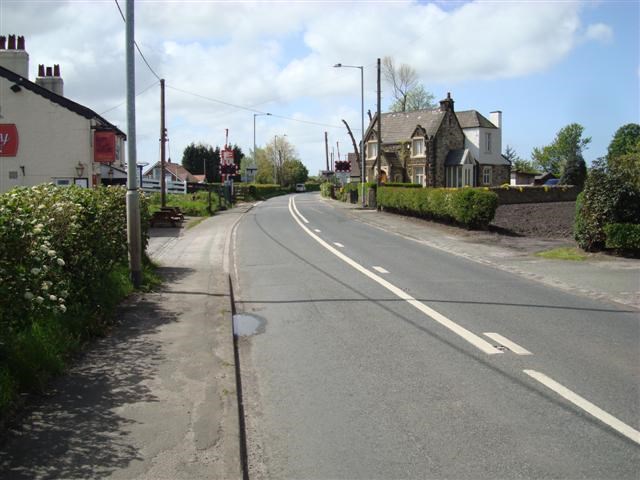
point(157, 397)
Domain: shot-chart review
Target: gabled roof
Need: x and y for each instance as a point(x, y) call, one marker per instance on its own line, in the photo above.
point(473, 119)
point(175, 169)
point(58, 99)
point(461, 156)
point(398, 127)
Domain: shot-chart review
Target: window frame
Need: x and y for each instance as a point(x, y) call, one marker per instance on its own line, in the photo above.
point(372, 146)
point(422, 154)
point(418, 176)
point(487, 142)
point(487, 173)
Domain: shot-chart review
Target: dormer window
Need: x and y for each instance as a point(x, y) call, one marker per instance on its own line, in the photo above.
point(372, 150)
point(417, 147)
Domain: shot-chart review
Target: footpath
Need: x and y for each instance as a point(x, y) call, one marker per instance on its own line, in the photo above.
point(156, 398)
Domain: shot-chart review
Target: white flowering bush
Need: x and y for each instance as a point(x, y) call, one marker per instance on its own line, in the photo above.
point(58, 247)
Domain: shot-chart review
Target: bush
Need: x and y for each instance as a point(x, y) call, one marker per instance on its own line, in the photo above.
point(260, 191)
point(193, 204)
point(403, 185)
point(623, 236)
point(62, 266)
point(312, 187)
point(472, 208)
point(326, 189)
point(609, 196)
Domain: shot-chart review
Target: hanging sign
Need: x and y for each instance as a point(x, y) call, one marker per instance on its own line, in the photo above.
point(104, 147)
point(8, 140)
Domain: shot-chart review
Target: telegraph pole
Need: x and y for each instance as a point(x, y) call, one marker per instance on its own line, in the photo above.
point(133, 199)
point(163, 140)
point(326, 150)
point(379, 156)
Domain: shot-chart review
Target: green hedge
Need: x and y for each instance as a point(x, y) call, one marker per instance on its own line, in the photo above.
point(473, 208)
point(63, 265)
point(403, 185)
point(259, 191)
point(325, 189)
point(193, 204)
point(623, 236)
point(312, 186)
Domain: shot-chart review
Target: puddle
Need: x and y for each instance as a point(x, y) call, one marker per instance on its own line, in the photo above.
point(245, 325)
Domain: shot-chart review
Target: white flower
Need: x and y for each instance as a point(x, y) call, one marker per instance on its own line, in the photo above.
point(35, 271)
point(60, 262)
point(28, 295)
point(51, 253)
point(53, 298)
point(62, 308)
point(39, 299)
point(60, 300)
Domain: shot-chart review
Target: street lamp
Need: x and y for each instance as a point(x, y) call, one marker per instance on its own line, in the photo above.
point(254, 135)
point(362, 167)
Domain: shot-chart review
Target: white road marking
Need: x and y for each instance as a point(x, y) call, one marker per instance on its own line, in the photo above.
point(296, 209)
point(586, 405)
point(380, 269)
point(317, 230)
point(470, 337)
point(514, 347)
point(339, 245)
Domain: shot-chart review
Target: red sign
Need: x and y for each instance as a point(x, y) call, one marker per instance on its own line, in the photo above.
point(104, 147)
point(8, 140)
point(227, 156)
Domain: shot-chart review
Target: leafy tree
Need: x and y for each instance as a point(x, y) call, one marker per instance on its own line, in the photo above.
point(524, 166)
point(408, 93)
point(198, 158)
point(278, 152)
point(264, 174)
point(575, 171)
point(568, 142)
point(625, 141)
point(294, 171)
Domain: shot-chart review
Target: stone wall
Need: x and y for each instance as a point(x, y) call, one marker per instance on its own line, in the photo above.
point(449, 137)
point(537, 194)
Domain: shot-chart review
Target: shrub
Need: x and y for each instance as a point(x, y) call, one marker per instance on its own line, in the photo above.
point(326, 189)
point(403, 185)
point(473, 208)
point(193, 204)
point(312, 187)
point(623, 236)
point(609, 196)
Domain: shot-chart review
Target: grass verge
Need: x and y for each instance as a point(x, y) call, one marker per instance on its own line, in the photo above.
point(564, 253)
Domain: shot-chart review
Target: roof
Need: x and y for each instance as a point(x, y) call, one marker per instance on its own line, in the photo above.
point(398, 127)
point(461, 156)
point(473, 119)
point(180, 172)
point(57, 99)
point(355, 166)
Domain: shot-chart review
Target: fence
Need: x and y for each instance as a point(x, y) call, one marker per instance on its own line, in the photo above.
point(151, 185)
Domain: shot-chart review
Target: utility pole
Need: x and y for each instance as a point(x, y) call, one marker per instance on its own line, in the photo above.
point(326, 149)
point(163, 139)
point(132, 199)
point(379, 156)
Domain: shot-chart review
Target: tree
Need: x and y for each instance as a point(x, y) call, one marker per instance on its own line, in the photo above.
point(198, 158)
point(625, 140)
point(279, 151)
point(568, 142)
point(408, 93)
point(264, 175)
point(575, 171)
point(294, 171)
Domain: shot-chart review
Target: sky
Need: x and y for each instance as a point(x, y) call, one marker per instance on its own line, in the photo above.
point(544, 64)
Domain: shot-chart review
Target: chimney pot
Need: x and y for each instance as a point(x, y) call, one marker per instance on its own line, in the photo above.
point(49, 72)
point(56, 70)
point(41, 70)
point(3, 42)
point(12, 42)
point(21, 43)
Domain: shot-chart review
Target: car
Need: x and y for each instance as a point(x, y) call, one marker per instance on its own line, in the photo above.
point(552, 181)
point(300, 187)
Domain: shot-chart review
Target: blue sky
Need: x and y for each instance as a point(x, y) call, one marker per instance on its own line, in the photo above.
point(544, 64)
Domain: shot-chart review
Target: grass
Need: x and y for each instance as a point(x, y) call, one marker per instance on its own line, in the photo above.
point(193, 205)
point(564, 253)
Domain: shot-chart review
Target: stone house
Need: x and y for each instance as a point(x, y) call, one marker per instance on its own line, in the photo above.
point(438, 148)
point(46, 137)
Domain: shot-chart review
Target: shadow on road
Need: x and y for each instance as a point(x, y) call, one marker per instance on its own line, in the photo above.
point(75, 431)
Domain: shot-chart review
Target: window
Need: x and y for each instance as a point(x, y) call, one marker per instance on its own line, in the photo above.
point(62, 182)
point(418, 175)
point(486, 175)
point(487, 137)
point(13, 175)
point(372, 149)
point(417, 147)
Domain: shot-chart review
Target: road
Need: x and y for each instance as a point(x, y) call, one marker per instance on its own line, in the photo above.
point(379, 357)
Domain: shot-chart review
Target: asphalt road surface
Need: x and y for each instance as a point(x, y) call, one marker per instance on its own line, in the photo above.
point(378, 357)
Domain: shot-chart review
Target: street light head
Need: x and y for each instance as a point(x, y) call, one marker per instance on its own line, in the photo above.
point(337, 65)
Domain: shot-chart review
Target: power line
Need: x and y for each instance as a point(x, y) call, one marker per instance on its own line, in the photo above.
point(136, 44)
point(137, 94)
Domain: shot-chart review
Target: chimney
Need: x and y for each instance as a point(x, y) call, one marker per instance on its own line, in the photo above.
point(13, 55)
point(496, 118)
point(49, 78)
point(446, 105)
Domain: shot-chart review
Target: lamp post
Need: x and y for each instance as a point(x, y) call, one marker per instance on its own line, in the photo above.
point(362, 153)
point(254, 135)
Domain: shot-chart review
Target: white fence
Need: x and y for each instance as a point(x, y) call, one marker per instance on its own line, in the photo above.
point(151, 185)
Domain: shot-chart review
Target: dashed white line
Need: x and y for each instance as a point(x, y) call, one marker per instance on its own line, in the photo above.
point(514, 347)
point(586, 405)
point(459, 330)
point(380, 269)
point(317, 230)
point(338, 244)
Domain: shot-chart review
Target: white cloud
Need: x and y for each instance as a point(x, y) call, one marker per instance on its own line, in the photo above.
point(278, 57)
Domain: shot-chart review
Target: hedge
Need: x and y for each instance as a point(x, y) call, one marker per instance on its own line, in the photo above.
point(473, 208)
point(312, 186)
point(259, 191)
point(623, 236)
point(62, 264)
